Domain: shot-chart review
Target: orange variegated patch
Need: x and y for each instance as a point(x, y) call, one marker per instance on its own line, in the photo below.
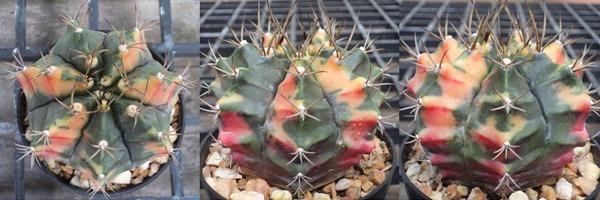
point(51, 83)
point(134, 54)
point(159, 91)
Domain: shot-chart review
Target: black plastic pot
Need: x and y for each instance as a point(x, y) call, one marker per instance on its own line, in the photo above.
point(379, 192)
point(21, 113)
point(414, 193)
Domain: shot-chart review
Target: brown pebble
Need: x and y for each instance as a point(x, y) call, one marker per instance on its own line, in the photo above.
point(242, 183)
point(572, 166)
point(452, 192)
point(137, 180)
point(225, 187)
point(379, 165)
point(577, 191)
point(378, 177)
point(367, 185)
point(145, 173)
point(353, 192)
point(153, 169)
point(477, 194)
point(328, 189)
point(66, 169)
point(259, 185)
point(569, 174)
point(223, 164)
point(363, 178)
point(356, 183)
point(136, 172)
point(531, 194)
point(425, 188)
point(308, 196)
point(548, 193)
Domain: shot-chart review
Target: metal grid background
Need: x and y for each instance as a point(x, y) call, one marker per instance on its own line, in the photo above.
point(388, 21)
point(166, 48)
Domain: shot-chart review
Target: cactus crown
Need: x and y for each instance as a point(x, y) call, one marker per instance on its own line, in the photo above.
point(99, 103)
point(296, 115)
point(500, 115)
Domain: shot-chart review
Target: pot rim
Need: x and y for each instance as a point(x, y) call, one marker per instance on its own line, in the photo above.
point(384, 186)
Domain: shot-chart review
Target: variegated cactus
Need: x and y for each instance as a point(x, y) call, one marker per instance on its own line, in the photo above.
point(500, 115)
point(295, 115)
point(99, 103)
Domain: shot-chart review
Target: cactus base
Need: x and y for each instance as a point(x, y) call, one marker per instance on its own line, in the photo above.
point(378, 192)
point(414, 192)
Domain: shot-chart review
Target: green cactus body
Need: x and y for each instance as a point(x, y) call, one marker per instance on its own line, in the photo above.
point(100, 104)
point(303, 128)
point(503, 124)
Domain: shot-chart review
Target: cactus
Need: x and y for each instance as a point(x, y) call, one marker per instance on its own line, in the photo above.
point(99, 103)
point(295, 115)
point(500, 115)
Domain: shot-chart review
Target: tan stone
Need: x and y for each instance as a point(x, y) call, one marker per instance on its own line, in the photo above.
point(66, 169)
point(367, 185)
point(378, 177)
point(321, 196)
point(548, 193)
point(586, 185)
point(224, 187)
point(477, 194)
point(281, 195)
point(462, 190)
point(242, 183)
point(247, 195)
point(353, 192)
point(379, 165)
point(328, 189)
point(569, 173)
point(425, 188)
point(259, 185)
point(531, 194)
point(452, 192)
point(153, 169)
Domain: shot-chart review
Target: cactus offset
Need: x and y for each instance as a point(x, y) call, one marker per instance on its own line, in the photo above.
point(99, 103)
point(500, 115)
point(297, 116)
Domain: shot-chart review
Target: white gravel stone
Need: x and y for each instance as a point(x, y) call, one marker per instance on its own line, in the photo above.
point(214, 159)
point(227, 173)
point(588, 169)
point(564, 189)
point(518, 195)
point(343, 184)
point(123, 178)
point(247, 195)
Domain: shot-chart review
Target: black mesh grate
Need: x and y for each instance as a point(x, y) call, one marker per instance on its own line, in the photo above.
point(166, 49)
